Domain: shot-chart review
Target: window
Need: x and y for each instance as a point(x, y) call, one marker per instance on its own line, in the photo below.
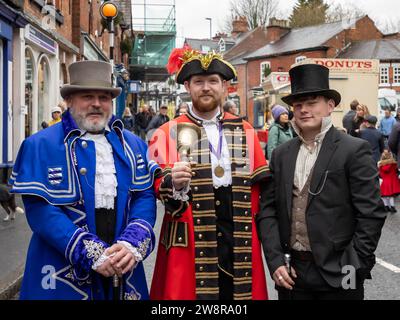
point(265, 70)
point(396, 74)
point(384, 75)
point(205, 49)
point(300, 59)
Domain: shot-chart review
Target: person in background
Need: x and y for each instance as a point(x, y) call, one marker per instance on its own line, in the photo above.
point(390, 186)
point(158, 120)
point(280, 131)
point(128, 120)
point(373, 136)
point(349, 116)
point(142, 121)
point(359, 120)
point(55, 116)
point(386, 125)
point(397, 117)
point(230, 106)
point(183, 108)
point(394, 142)
point(44, 125)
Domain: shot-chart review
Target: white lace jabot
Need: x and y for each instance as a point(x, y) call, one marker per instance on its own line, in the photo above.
point(105, 180)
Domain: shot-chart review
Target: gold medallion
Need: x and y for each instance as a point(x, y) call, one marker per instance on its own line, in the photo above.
point(219, 171)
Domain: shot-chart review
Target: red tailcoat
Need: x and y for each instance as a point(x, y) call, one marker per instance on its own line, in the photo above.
point(177, 274)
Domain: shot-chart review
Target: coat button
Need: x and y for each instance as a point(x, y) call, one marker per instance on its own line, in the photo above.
point(180, 239)
point(196, 189)
point(244, 153)
point(247, 274)
point(246, 243)
point(218, 203)
point(201, 254)
point(245, 197)
point(198, 206)
point(201, 268)
point(245, 182)
point(198, 221)
point(193, 174)
point(83, 171)
point(246, 228)
point(246, 213)
point(219, 234)
point(246, 258)
point(200, 236)
point(202, 283)
point(84, 144)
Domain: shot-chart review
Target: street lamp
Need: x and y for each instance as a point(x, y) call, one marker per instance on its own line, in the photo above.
point(109, 11)
point(210, 27)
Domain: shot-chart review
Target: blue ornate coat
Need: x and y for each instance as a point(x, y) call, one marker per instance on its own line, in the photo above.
point(55, 173)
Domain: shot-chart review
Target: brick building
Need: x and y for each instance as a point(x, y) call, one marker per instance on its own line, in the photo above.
point(282, 47)
point(387, 51)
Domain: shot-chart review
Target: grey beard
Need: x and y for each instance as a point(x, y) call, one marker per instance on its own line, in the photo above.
point(85, 125)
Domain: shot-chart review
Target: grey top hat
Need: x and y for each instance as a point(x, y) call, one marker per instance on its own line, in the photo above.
point(90, 75)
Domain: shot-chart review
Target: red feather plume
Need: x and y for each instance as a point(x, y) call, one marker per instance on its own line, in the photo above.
point(175, 60)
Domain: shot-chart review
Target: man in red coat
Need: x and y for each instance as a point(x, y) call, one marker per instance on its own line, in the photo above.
point(213, 168)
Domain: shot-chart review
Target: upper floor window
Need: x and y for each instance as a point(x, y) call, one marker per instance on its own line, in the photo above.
point(384, 74)
point(396, 74)
point(265, 70)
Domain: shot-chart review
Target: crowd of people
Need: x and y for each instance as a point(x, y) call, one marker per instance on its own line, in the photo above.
point(91, 200)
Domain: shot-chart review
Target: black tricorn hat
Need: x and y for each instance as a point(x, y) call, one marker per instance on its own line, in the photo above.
point(186, 62)
point(310, 79)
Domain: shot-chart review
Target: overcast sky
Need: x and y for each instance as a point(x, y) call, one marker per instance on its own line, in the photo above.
point(191, 14)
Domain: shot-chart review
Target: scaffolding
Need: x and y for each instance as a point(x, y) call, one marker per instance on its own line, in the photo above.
point(154, 29)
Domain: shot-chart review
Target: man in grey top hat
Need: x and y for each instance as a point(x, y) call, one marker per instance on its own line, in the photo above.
point(322, 219)
point(89, 200)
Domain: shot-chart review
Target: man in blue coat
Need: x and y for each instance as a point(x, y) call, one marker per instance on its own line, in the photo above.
point(87, 187)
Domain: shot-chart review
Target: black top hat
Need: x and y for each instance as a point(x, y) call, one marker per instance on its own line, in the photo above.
point(310, 79)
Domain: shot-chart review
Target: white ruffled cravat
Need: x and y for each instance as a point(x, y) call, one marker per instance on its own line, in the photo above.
point(105, 179)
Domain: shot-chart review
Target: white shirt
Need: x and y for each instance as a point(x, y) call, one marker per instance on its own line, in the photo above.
point(308, 155)
point(212, 131)
point(105, 179)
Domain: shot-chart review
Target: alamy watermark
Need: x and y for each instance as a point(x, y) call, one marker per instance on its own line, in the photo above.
point(49, 280)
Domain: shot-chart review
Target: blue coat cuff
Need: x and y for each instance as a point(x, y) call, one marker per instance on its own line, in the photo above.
point(82, 252)
point(140, 235)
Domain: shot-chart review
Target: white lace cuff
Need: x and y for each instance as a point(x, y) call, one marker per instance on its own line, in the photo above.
point(181, 194)
point(133, 250)
point(103, 258)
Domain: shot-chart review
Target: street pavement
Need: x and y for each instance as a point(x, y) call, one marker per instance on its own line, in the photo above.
point(15, 235)
point(14, 241)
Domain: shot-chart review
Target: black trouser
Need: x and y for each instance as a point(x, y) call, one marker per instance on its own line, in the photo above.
point(105, 230)
point(225, 242)
point(310, 285)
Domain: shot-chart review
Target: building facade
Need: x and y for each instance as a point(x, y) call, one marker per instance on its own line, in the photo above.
point(37, 45)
